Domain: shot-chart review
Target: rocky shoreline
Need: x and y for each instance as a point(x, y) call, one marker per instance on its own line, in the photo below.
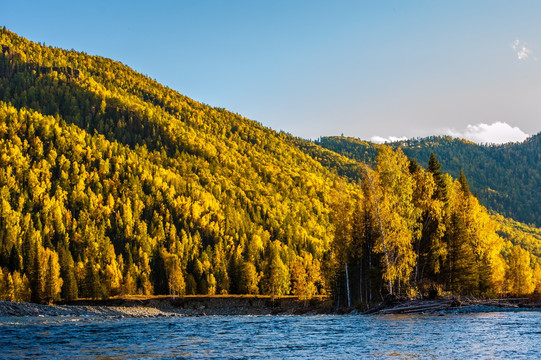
point(170, 307)
point(245, 305)
point(8, 308)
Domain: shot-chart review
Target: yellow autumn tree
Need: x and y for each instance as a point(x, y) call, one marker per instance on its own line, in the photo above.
point(249, 278)
point(305, 274)
point(52, 282)
point(537, 278)
point(487, 246)
point(392, 192)
point(21, 287)
point(5, 292)
point(520, 274)
point(113, 275)
point(175, 278)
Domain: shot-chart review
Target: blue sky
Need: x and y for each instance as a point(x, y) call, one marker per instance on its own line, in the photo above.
point(369, 69)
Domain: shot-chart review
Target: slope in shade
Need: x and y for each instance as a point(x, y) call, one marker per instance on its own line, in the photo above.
point(506, 178)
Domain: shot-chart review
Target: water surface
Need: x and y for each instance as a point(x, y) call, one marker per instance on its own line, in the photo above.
point(497, 335)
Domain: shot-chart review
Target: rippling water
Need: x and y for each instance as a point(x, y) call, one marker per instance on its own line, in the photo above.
point(499, 335)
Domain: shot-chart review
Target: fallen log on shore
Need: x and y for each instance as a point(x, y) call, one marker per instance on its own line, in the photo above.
point(451, 305)
point(419, 308)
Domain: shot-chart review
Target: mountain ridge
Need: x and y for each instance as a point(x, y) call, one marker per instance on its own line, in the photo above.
point(506, 177)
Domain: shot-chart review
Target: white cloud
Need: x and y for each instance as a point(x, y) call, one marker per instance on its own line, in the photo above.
point(495, 133)
point(523, 53)
point(381, 140)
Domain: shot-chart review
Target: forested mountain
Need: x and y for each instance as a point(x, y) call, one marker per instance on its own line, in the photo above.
point(112, 184)
point(506, 178)
point(150, 181)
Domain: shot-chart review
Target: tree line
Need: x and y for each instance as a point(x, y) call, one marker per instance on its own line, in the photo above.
point(416, 232)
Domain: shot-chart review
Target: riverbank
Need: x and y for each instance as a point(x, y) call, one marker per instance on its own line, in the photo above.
point(172, 307)
point(163, 306)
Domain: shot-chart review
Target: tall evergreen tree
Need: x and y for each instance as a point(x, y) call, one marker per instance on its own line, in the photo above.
point(67, 273)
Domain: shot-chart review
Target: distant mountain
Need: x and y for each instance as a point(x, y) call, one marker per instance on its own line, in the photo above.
point(506, 178)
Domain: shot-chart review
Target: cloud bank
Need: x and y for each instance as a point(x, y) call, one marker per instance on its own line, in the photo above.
point(522, 52)
point(382, 140)
point(495, 133)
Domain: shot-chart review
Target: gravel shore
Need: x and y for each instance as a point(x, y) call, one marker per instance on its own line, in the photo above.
point(8, 308)
point(168, 307)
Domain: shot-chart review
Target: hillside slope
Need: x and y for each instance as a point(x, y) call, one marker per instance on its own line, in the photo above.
point(147, 170)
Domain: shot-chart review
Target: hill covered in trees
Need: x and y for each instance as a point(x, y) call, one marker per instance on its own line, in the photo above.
point(112, 184)
point(506, 178)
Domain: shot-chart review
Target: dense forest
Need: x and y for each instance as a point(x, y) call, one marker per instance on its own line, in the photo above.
point(112, 184)
point(506, 178)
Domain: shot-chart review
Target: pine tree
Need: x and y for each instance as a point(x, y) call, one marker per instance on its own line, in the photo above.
point(434, 167)
point(67, 273)
point(463, 182)
point(220, 269)
point(429, 230)
point(91, 286)
point(159, 274)
point(15, 260)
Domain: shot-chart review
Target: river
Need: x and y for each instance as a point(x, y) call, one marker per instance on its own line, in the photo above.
point(493, 335)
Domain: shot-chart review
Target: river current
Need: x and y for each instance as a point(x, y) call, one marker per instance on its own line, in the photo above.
point(494, 335)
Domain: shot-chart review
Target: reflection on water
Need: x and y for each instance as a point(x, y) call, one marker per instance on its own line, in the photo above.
point(505, 335)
